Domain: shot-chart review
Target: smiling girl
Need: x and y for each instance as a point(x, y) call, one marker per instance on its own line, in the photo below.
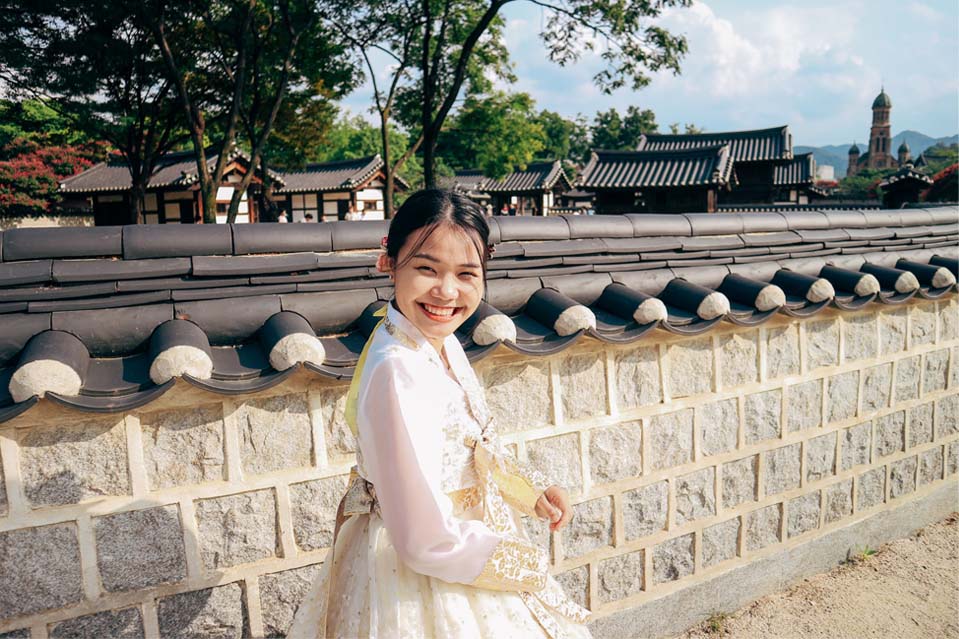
point(429, 541)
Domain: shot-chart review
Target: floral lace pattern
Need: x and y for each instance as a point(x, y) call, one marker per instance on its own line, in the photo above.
point(515, 565)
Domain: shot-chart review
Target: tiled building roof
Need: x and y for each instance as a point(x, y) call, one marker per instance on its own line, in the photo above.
point(906, 174)
point(106, 319)
point(651, 169)
point(174, 169)
point(801, 170)
point(468, 180)
point(179, 169)
point(333, 176)
point(538, 176)
point(745, 146)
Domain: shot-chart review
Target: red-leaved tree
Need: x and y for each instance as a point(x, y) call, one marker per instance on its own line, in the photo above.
point(30, 173)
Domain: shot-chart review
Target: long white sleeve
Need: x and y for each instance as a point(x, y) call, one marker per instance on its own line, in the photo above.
point(401, 438)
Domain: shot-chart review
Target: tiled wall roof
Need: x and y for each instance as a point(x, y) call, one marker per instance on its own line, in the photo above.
point(120, 312)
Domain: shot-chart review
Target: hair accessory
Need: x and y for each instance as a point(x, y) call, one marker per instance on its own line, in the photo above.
point(383, 242)
point(490, 249)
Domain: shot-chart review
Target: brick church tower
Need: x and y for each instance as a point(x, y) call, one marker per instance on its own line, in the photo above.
point(880, 137)
point(879, 155)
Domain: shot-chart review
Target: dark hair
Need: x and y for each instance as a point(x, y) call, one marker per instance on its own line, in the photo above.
point(433, 208)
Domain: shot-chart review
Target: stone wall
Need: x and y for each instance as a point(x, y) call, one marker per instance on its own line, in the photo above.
point(45, 220)
point(687, 458)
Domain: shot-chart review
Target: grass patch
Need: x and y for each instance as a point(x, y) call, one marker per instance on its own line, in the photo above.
point(857, 558)
point(716, 623)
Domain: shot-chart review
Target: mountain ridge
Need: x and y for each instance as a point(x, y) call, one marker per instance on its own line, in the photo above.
point(836, 155)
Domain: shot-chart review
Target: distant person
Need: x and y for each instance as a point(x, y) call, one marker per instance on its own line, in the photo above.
point(489, 210)
point(504, 210)
point(307, 217)
point(512, 209)
point(281, 217)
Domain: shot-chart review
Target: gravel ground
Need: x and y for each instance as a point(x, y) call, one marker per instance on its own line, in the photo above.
point(908, 589)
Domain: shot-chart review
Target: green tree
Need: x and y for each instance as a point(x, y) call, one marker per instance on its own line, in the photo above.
point(352, 137)
point(35, 121)
point(690, 129)
point(864, 185)
point(565, 139)
point(232, 63)
point(613, 132)
point(93, 64)
point(495, 134)
point(450, 40)
point(940, 156)
point(398, 31)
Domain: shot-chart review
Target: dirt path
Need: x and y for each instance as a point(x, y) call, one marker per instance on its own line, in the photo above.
point(909, 589)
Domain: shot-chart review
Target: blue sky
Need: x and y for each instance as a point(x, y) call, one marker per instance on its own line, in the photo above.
point(813, 65)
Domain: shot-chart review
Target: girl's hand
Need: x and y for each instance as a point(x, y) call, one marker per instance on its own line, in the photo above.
point(554, 505)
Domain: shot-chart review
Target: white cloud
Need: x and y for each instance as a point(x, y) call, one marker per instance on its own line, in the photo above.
point(924, 11)
point(767, 52)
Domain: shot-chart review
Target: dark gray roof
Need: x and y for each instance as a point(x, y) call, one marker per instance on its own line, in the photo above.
point(906, 174)
point(801, 170)
point(702, 166)
point(174, 169)
point(333, 176)
point(179, 170)
point(469, 180)
point(537, 176)
point(105, 301)
point(745, 146)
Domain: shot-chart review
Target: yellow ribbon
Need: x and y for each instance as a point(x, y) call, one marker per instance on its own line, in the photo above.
point(352, 395)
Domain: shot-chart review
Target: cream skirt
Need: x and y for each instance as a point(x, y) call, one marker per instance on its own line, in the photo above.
point(372, 594)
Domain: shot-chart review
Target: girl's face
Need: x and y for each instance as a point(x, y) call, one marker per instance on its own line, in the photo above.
point(440, 285)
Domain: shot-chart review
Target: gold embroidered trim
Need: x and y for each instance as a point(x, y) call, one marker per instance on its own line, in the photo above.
point(514, 565)
point(465, 498)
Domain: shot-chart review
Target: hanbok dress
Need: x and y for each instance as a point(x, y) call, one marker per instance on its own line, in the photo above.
point(432, 545)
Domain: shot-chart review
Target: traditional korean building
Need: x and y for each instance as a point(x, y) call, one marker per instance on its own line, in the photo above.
point(662, 181)
point(326, 191)
point(795, 180)
point(468, 182)
point(173, 192)
point(756, 153)
point(535, 190)
point(903, 187)
point(331, 191)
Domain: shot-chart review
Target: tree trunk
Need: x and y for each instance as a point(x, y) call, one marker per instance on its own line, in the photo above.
point(429, 162)
point(267, 203)
point(387, 169)
point(208, 195)
point(137, 196)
